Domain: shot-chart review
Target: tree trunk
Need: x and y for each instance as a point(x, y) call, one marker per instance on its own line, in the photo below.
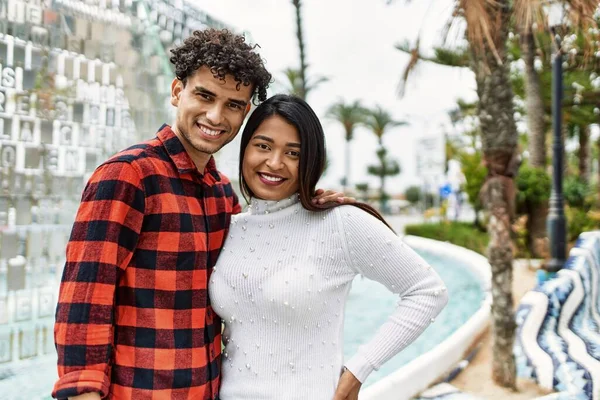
point(300, 36)
point(537, 239)
point(499, 140)
point(598, 144)
point(347, 167)
point(584, 152)
point(536, 124)
point(382, 201)
point(500, 257)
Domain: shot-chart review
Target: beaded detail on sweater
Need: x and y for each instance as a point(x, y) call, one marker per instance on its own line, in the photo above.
point(280, 285)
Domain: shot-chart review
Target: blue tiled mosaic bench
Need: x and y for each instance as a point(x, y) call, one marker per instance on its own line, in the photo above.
point(558, 337)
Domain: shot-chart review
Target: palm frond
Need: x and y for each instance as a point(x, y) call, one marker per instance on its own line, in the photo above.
point(348, 114)
point(528, 13)
point(380, 120)
point(452, 58)
point(412, 63)
point(484, 19)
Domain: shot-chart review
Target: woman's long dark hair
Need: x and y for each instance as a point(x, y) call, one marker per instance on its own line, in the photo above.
point(312, 150)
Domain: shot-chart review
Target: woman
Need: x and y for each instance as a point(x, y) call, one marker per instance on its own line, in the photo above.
point(282, 279)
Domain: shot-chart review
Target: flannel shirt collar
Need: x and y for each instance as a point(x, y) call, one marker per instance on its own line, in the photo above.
point(180, 157)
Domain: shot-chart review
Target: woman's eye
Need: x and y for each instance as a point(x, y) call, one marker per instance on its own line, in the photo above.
point(294, 153)
point(262, 146)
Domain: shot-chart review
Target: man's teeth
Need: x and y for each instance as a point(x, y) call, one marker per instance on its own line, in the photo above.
point(209, 131)
point(271, 178)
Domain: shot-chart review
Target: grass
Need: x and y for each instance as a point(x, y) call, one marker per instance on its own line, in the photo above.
point(462, 234)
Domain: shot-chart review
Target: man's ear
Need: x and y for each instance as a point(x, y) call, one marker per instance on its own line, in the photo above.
point(176, 88)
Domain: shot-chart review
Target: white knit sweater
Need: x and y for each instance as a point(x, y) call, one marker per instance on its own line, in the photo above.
point(281, 284)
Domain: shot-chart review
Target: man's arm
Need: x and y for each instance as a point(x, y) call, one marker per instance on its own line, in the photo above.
point(87, 396)
point(102, 242)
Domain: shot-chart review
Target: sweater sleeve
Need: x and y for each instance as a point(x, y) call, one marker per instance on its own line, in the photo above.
point(376, 252)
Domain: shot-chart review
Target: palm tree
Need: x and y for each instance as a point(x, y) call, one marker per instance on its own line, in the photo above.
point(350, 116)
point(379, 121)
point(487, 27)
point(387, 167)
point(363, 189)
point(302, 70)
point(537, 125)
point(294, 83)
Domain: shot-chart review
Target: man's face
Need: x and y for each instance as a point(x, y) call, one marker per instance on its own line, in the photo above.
point(210, 111)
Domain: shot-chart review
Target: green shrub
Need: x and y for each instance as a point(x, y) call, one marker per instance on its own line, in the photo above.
point(578, 221)
point(475, 173)
point(413, 194)
point(458, 233)
point(533, 185)
point(576, 191)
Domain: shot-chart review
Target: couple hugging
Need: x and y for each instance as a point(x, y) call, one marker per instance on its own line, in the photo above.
point(161, 255)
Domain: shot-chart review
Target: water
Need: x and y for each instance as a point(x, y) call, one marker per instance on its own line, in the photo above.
point(369, 305)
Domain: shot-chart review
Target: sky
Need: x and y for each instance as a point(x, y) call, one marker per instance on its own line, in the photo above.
point(352, 43)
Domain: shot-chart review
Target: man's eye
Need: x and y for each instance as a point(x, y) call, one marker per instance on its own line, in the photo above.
point(235, 106)
point(204, 96)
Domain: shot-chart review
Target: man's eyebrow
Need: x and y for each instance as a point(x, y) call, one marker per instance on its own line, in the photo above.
point(204, 90)
point(268, 139)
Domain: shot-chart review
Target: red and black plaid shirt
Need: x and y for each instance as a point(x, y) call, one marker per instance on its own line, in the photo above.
point(133, 319)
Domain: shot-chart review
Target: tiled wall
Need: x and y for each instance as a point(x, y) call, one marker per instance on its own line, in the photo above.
point(79, 80)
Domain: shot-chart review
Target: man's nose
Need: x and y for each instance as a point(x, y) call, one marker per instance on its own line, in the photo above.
point(214, 115)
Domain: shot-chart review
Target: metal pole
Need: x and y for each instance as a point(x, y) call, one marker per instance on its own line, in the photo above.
point(556, 222)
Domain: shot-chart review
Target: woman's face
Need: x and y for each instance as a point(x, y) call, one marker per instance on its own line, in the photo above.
point(271, 160)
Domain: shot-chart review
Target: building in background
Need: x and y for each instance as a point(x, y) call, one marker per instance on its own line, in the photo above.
point(79, 80)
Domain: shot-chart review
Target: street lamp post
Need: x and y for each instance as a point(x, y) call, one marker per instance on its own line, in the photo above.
point(556, 222)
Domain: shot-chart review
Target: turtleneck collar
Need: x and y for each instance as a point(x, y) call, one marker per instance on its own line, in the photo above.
point(261, 207)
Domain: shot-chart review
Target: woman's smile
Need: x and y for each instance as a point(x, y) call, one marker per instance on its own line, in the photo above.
point(271, 160)
point(270, 179)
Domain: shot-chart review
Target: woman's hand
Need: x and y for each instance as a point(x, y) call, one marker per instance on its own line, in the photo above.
point(329, 198)
point(348, 387)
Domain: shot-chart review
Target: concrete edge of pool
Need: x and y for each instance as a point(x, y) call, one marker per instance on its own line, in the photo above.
point(416, 376)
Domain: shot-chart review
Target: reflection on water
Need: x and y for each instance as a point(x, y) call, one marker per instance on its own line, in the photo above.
point(370, 304)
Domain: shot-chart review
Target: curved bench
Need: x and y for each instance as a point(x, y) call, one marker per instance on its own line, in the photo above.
point(558, 326)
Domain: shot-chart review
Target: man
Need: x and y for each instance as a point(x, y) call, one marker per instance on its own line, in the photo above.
point(133, 319)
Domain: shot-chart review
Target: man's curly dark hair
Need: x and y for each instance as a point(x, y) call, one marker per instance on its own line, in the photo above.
point(224, 53)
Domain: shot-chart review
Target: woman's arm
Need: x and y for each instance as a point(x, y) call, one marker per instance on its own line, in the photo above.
point(374, 251)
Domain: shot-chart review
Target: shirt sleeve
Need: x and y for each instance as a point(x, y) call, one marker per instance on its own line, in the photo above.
point(102, 242)
point(376, 252)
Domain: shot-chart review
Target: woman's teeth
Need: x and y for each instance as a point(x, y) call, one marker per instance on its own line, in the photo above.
point(271, 178)
point(209, 131)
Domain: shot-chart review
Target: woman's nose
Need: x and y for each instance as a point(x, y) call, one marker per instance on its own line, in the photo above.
point(274, 162)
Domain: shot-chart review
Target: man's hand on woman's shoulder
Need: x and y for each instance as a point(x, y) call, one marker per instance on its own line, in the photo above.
point(330, 198)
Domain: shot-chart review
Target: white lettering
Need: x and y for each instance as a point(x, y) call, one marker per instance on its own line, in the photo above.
point(8, 77)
